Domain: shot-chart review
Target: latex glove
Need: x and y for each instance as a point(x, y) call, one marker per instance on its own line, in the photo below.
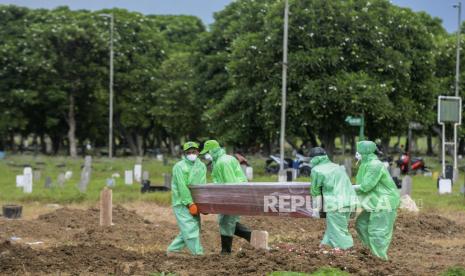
point(193, 209)
point(356, 187)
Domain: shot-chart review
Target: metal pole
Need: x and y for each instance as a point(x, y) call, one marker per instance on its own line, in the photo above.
point(457, 68)
point(457, 80)
point(110, 123)
point(284, 85)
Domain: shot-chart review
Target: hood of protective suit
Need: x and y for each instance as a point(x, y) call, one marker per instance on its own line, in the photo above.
point(217, 153)
point(366, 147)
point(317, 160)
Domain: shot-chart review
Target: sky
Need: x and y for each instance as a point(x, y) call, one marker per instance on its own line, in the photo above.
point(205, 8)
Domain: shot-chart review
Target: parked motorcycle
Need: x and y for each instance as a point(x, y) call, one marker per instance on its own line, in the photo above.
point(272, 165)
point(302, 164)
point(417, 164)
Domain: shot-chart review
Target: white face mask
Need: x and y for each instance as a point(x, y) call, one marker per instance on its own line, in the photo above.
point(358, 156)
point(191, 157)
point(208, 157)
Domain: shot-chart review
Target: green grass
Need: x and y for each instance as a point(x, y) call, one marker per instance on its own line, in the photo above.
point(454, 271)
point(424, 188)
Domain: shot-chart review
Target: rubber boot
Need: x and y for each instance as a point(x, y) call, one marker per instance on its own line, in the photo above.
point(226, 244)
point(243, 232)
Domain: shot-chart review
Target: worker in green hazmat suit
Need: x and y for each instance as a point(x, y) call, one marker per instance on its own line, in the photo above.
point(189, 171)
point(226, 169)
point(339, 199)
point(379, 199)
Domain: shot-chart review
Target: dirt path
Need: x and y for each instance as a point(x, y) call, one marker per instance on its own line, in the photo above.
point(69, 240)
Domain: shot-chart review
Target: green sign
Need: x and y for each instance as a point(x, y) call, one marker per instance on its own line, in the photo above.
point(354, 121)
point(449, 109)
point(359, 122)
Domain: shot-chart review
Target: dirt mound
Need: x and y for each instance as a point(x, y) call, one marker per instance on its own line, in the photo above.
point(75, 244)
point(425, 224)
point(76, 218)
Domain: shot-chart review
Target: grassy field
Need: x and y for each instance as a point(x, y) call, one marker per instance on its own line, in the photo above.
point(424, 188)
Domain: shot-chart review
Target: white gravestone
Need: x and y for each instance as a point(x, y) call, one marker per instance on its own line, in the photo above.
point(128, 177)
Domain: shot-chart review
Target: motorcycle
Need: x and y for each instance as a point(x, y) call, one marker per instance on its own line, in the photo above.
point(302, 165)
point(272, 165)
point(416, 164)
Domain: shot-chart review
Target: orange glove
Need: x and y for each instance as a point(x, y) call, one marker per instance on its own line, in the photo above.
point(193, 209)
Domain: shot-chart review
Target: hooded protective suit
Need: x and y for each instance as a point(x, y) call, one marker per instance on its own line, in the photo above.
point(186, 173)
point(226, 169)
point(379, 199)
point(339, 199)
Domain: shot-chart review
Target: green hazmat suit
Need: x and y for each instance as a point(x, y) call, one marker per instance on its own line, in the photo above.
point(226, 169)
point(186, 173)
point(379, 199)
point(339, 199)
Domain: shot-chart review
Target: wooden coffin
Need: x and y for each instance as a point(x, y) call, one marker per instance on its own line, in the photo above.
point(287, 199)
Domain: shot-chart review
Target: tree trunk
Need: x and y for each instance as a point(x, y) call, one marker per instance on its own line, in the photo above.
point(72, 127)
point(140, 145)
point(429, 142)
point(328, 141)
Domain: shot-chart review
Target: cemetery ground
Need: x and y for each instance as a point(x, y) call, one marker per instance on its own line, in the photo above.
point(60, 233)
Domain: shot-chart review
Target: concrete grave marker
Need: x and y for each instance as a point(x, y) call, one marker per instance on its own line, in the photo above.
point(138, 172)
point(445, 186)
point(37, 175)
point(19, 180)
point(128, 177)
point(160, 157)
point(249, 173)
point(167, 180)
point(406, 186)
point(259, 239)
point(48, 182)
point(145, 175)
point(68, 175)
point(27, 182)
point(85, 174)
point(106, 207)
point(61, 180)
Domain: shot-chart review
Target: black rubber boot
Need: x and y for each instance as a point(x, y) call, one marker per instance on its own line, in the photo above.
point(226, 244)
point(243, 232)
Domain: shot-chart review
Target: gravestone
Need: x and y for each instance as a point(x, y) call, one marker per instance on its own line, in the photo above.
point(406, 186)
point(444, 186)
point(27, 187)
point(48, 182)
point(348, 166)
point(110, 182)
point(128, 177)
point(20, 180)
point(249, 173)
point(138, 172)
point(85, 174)
point(61, 180)
point(167, 180)
point(160, 157)
point(68, 175)
point(106, 207)
point(37, 175)
point(259, 239)
point(145, 175)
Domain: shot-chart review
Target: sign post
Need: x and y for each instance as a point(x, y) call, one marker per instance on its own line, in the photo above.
point(357, 121)
point(449, 112)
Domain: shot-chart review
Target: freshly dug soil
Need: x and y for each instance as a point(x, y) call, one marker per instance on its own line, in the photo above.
point(74, 244)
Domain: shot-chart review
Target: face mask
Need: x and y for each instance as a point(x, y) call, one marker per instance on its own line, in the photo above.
point(358, 156)
point(191, 157)
point(208, 157)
